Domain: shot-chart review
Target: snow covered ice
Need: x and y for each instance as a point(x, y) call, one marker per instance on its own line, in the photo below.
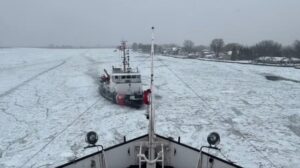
point(49, 100)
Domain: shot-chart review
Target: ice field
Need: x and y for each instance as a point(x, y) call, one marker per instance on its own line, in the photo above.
point(49, 100)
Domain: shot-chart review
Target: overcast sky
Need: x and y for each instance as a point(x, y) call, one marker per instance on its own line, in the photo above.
point(106, 22)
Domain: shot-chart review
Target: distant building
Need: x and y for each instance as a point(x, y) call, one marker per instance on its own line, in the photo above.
point(171, 51)
point(208, 54)
point(224, 56)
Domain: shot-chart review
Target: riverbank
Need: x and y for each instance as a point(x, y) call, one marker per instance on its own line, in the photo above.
point(297, 66)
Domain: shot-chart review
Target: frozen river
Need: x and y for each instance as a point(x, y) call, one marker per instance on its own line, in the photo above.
point(49, 100)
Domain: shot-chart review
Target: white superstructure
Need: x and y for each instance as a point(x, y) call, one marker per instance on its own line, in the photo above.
point(124, 85)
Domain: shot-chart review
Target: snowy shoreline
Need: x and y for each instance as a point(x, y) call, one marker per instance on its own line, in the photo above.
point(236, 62)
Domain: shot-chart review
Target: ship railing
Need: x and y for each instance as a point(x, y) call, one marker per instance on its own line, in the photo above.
point(142, 157)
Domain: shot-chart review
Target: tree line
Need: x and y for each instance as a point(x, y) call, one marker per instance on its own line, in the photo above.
point(268, 48)
point(237, 51)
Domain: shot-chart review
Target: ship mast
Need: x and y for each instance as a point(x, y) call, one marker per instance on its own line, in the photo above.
point(153, 157)
point(151, 112)
point(123, 46)
point(125, 56)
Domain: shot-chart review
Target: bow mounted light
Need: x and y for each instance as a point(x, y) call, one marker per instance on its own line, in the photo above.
point(91, 138)
point(213, 139)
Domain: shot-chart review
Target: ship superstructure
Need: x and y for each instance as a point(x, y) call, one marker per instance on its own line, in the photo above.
point(124, 85)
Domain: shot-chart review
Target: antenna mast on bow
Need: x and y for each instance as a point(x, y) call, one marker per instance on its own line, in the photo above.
point(151, 112)
point(153, 155)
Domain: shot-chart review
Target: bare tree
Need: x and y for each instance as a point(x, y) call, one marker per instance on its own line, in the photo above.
point(188, 46)
point(230, 46)
point(234, 48)
point(134, 46)
point(217, 46)
point(267, 48)
point(199, 48)
point(296, 47)
point(246, 53)
point(288, 52)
